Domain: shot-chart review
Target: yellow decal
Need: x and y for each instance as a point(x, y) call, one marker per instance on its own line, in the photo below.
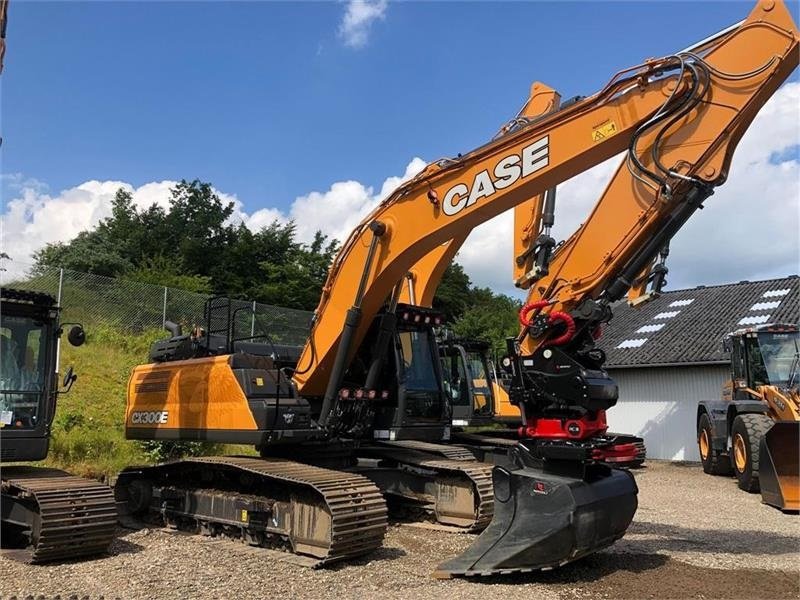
point(604, 131)
point(244, 516)
point(259, 381)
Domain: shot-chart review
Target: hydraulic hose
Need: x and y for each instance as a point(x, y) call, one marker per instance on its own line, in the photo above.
point(554, 318)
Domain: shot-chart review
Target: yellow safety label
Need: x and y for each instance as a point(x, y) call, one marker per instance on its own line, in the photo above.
point(604, 131)
point(259, 381)
point(244, 516)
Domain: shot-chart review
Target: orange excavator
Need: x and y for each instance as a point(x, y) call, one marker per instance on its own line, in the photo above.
point(361, 415)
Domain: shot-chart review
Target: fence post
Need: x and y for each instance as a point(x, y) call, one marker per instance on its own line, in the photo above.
point(164, 312)
point(253, 321)
point(60, 285)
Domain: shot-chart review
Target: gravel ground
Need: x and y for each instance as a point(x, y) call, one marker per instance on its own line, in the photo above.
point(694, 536)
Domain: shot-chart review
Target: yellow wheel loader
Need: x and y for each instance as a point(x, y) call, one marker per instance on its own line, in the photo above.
point(754, 430)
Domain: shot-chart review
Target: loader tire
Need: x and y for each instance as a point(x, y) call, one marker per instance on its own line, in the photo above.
point(746, 434)
point(714, 462)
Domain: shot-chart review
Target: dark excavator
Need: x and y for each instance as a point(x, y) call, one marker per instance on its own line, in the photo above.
point(47, 514)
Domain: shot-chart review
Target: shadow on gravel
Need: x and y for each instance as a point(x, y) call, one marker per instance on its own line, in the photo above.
point(379, 555)
point(588, 569)
point(636, 576)
point(729, 541)
point(120, 546)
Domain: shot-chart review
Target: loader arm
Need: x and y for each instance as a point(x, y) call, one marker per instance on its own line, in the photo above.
point(678, 118)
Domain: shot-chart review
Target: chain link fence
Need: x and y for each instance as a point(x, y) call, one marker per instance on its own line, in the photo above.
point(136, 307)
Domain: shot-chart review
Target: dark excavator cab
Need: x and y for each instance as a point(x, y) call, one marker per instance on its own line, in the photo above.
point(397, 372)
point(468, 381)
point(29, 333)
point(47, 514)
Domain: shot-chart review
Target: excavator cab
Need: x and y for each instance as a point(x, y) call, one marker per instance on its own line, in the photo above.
point(47, 514)
point(412, 403)
point(468, 381)
point(28, 336)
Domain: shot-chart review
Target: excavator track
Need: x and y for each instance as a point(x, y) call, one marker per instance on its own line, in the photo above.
point(270, 502)
point(60, 516)
point(455, 492)
point(450, 452)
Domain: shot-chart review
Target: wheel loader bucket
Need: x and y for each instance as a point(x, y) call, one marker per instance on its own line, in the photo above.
point(779, 465)
point(543, 520)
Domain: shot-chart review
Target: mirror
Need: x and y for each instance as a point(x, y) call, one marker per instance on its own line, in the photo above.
point(76, 336)
point(69, 379)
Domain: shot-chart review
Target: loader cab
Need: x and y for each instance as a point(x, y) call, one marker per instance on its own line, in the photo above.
point(762, 356)
point(414, 404)
point(29, 332)
point(468, 381)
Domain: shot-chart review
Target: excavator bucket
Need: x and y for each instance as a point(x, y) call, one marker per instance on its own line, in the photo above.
point(779, 465)
point(546, 516)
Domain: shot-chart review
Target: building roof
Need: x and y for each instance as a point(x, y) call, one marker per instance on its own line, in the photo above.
point(687, 326)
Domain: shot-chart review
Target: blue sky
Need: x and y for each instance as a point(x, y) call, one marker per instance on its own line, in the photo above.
point(297, 111)
point(264, 98)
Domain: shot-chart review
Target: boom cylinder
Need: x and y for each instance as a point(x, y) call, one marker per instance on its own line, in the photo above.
point(694, 198)
point(351, 322)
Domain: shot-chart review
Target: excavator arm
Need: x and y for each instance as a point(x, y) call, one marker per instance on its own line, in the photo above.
point(678, 118)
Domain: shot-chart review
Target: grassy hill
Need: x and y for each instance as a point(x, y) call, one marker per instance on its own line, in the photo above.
point(88, 430)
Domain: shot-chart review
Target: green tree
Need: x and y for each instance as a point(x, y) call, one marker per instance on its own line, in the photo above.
point(491, 317)
point(453, 294)
point(195, 244)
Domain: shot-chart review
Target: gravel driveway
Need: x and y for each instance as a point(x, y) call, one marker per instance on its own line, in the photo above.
point(693, 536)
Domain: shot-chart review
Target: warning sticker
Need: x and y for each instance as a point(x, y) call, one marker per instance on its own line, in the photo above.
point(604, 131)
point(243, 516)
point(6, 416)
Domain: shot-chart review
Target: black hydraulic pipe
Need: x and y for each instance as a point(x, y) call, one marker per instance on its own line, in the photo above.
point(386, 331)
point(351, 323)
point(660, 270)
point(694, 198)
point(549, 210)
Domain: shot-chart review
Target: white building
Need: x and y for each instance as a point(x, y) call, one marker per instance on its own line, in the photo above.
point(667, 354)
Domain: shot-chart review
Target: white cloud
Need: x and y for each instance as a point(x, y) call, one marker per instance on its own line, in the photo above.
point(357, 21)
point(748, 230)
point(35, 218)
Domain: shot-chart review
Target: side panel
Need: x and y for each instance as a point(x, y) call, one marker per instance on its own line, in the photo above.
point(198, 394)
